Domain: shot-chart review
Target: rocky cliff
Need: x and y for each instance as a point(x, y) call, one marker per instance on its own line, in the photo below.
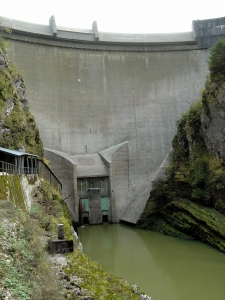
point(18, 130)
point(190, 202)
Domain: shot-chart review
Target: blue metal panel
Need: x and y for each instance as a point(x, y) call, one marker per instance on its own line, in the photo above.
point(14, 152)
point(105, 206)
point(85, 205)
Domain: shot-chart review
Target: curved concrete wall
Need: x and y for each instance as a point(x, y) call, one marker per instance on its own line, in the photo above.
point(87, 100)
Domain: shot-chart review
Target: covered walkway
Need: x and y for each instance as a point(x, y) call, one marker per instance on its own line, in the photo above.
point(16, 162)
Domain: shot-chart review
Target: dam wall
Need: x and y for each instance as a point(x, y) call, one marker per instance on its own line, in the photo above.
point(98, 95)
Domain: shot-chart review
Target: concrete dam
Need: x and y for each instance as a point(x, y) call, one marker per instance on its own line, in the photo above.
point(106, 105)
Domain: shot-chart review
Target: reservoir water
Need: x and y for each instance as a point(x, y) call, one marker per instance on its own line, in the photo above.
point(166, 268)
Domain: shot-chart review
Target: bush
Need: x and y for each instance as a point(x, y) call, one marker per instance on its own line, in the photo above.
point(36, 211)
point(217, 61)
point(24, 266)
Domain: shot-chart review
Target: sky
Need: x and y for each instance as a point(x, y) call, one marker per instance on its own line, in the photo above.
point(127, 16)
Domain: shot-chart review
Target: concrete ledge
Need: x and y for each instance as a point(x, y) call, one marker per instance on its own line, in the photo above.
point(203, 35)
point(95, 35)
point(60, 246)
point(57, 33)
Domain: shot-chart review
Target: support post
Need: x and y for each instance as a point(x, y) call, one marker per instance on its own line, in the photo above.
point(60, 231)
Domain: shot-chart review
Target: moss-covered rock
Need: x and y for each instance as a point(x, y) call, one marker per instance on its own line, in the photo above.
point(18, 130)
point(201, 222)
point(220, 206)
point(99, 283)
point(10, 188)
point(49, 209)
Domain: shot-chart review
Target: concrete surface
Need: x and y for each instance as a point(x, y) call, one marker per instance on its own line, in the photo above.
point(88, 96)
point(95, 211)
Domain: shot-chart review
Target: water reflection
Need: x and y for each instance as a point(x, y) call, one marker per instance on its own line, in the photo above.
point(165, 267)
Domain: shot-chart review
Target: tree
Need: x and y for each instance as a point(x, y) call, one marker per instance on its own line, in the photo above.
point(217, 61)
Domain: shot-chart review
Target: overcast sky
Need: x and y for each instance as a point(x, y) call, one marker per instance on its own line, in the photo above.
point(137, 16)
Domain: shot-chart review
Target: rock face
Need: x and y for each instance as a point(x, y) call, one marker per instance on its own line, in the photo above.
point(191, 199)
point(202, 223)
point(19, 83)
point(213, 120)
point(18, 130)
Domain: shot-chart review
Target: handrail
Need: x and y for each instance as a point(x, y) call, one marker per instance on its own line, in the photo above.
point(50, 171)
point(7, 168)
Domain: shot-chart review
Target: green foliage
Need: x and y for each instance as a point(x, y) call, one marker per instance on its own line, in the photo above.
point(14, 71)
point(182, 174)
point(3, 45)
point(179, 143)
point(16, 121)
point(24, 264)
point(191, 172)
point(36, 211)
point(217, 61)
point(21, 130)
point(216, 173)
point(50, 210)
point(198, 170)
point(6, 85)
point(10, 188)
point(3, 187)
point(46, 222)
point(193, 122)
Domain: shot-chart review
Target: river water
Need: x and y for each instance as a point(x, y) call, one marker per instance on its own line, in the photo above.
point(166, 268)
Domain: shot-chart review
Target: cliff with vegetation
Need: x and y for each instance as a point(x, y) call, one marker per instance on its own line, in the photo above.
point(190, 202)
point(18, 130)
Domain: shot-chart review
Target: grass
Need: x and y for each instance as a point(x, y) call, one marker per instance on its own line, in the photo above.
point(24, 265)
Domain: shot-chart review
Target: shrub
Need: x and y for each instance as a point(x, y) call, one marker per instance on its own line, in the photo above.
point(36, 212)
point(24, 265)
point(217, 61)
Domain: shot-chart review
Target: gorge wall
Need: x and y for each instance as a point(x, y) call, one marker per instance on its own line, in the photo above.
point(111, 95)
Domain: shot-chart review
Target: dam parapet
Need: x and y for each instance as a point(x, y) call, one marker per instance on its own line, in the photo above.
point(203, 35)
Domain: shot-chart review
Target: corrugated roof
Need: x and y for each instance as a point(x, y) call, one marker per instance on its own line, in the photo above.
point(16, 153)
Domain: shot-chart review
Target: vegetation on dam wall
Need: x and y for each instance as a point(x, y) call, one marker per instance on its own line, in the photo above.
point(191, 200)
point(18, 130)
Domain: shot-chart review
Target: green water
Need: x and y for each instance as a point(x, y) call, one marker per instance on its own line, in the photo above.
point(166, 268)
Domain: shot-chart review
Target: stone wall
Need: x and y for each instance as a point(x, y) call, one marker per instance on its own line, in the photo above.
point(208, 31)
